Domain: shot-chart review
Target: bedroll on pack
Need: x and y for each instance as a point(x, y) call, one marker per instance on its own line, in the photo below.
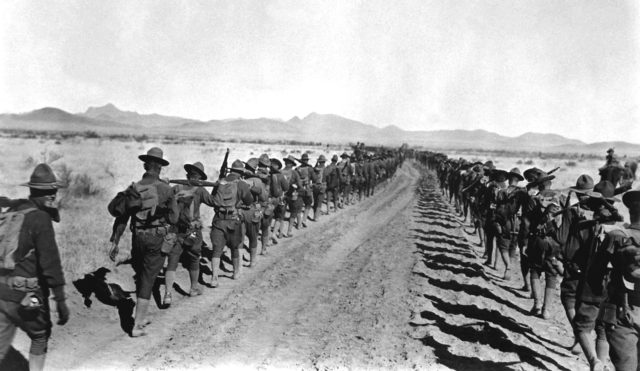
point(226, 195)
point(10, 225)
point(148, 200)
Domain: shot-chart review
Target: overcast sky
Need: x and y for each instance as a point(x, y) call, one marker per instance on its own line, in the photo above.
point(567, 67)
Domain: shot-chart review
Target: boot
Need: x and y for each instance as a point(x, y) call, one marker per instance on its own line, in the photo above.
point(142, 306)
point(36, 361)
point(169, 279)
point(215, 265)
point(236, 268)
point(536, 294)
point(546, 306)
point(252, 257)
point(195, 289)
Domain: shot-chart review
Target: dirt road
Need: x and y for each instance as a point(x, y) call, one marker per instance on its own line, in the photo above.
point(391, 283)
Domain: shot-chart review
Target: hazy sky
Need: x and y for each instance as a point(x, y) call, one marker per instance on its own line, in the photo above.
point(568, 67)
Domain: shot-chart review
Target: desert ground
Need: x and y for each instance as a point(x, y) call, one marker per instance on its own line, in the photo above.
point(393, 282)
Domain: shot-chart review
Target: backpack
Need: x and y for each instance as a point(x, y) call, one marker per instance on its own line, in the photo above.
point(10, 226)
point(226, 196)
point(304, 178)
point(276, 187)
point(148, 200)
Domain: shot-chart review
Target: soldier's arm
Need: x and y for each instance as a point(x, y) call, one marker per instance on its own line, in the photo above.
point(119, 226)
point(48, 255)
point(205, 197)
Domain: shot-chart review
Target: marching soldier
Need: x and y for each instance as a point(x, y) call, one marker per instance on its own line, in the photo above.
point(292, 196)
point(30, 269)
point(153, 226)
point(307, 178)
point(319, 187)
point(278, 189)
point(333, 178)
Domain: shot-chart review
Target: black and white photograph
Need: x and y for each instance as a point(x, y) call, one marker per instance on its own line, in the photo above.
point(319, 185)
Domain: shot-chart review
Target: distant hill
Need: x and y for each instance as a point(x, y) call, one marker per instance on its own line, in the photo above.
point(112, 113)
point(315, 127)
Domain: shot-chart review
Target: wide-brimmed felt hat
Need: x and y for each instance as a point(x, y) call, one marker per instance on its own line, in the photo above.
point(276, 164)
point(477, 168)
point(196, 167)
point(154, 155)
point(610, 150)
point(515, 173)
point(536, 176)
point(344, 155)
point(238, 167)
point(321, 158)
point(584, 184)
point(305, 157)
point(264, 160)
point(252, 164)
point(290, 159)
point(498, 174)
point(43, 177)
point(334, 158)
point(631, 198)
point(607, 190)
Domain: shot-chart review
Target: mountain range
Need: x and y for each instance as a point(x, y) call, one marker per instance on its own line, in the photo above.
point(315, 127)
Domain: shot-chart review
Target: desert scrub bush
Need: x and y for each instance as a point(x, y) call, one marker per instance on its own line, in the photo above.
point(519, 162)
point(76, 186)
point(570, 163)
point(528, 162)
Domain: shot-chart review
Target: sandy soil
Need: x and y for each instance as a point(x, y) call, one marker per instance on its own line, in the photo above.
point(393, 282)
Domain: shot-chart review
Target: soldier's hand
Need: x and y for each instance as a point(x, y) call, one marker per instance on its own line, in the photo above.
point(113, 253)
point(63, 312)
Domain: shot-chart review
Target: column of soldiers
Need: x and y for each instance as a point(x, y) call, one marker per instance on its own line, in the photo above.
point(574, 236)
point(251, 200)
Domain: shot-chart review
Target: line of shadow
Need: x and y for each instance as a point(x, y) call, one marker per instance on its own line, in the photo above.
point(469, 272)
point(448, 260)
point(484, 333)
point(447, 241)
point(456, 251)
point(439, 233)
point(493, 316)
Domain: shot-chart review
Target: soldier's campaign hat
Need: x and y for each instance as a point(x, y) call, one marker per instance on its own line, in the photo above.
point(252, 164)
point(344, 155)
point(631, 198)
point(334, 158)
point(154, 155)
point(499, 175)
point(264, 160)
point(477, 168)
point(536, 176)
point(515, 173)
point(305, 157)
point(276, 164)
point(607, 190)
point(321, 158)
point(238, 167)
point(43, 177)
point(610, 150)
point(584, 184)
point(290, 159)
point(196, 167)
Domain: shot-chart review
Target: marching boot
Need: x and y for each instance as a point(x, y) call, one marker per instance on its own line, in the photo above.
point(253, 252)
point(195, 289)
point(236, 268)
point(535, 294)
point(142, 306)
point(548, 294)
point(169, 279)
point(36, 361)
point(215, 265)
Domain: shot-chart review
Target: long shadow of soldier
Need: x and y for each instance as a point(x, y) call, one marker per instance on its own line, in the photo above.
point(484, 333)
point(493, 316)
point(454, 268)
point(453, 251)
point(111, 294)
